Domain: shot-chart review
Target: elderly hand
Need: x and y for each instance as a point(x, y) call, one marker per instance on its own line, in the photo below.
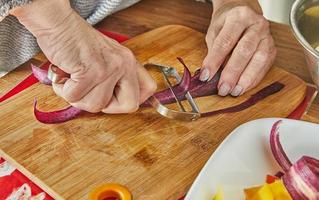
point(105, 76)
point(239, 37)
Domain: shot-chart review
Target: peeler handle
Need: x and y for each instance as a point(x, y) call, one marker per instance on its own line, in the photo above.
point(57, 75)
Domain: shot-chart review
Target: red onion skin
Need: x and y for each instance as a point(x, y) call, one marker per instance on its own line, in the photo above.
point(56, 116)
point(41, 75)
point(310, 170)
point(277, 150)
point(288, 182)
point(302, 178)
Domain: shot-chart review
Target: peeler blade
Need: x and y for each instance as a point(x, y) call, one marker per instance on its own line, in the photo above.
point(165, 111)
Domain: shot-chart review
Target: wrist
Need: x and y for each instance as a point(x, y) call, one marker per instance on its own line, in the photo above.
point(43, 14)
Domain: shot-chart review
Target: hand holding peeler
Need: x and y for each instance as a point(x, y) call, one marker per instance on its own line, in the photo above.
point(56, 75)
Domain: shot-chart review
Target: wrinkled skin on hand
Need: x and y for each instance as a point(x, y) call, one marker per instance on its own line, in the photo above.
point(105, 76)
point(239, 37)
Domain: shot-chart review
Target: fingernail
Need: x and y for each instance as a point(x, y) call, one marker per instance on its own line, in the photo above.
point(236, 91)
point(224, 89)
point(204, 75)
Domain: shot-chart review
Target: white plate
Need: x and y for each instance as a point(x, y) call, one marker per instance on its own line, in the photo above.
point(244, 158)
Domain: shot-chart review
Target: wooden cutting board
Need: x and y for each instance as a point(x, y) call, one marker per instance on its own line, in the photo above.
point(156, 158)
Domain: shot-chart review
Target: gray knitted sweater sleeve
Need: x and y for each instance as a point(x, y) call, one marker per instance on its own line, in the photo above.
point(17, 45)
point(6, 5)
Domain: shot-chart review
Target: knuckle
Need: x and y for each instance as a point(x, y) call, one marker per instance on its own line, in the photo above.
point(94, 109)
point(235, 70)
point(117, 65)
point(206, 62)
point(248, 81)
point(209, 63)
point(243, 12)
point(246, 48)
point(130, 107)
point(72, 96)
point(100, 73)
point(151, 87)
point(128, 54)
point(264, 24)
point(225, 42)
point(94, 105)
point(261, 56)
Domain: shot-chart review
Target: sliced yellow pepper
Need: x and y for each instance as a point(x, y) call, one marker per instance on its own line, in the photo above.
point(219, 195)
point(273, 191)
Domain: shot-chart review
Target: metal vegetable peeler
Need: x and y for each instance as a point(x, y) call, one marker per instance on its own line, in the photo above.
point(57, 75)
point(182, 114)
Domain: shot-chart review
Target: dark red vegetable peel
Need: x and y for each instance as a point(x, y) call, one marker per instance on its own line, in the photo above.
point(56, 116)
point(302, 180)
point(41, 75)
point(166, 96)
point(277, 149)
point(255, 98)
point(197, 88)
point(302, 177)
point(188, 83)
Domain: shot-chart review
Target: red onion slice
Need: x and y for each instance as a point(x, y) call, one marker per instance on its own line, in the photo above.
point(302, 178)
point(277, 149)
point(56, 116)
point(41, 75)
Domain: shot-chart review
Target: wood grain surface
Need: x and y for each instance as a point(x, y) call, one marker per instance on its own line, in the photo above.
point(149, 14)
point(156, 158)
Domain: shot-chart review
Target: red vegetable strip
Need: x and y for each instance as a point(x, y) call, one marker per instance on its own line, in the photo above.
point(56, 116)
point(197, 88)
point(41, 75)
point(302, 180)
point(72, 112)
point(255, 98)
point(180, 90)
point(270, 179)
point(277, 149)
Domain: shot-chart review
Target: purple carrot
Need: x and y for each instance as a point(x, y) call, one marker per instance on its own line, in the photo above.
point(72, 112)
point(56, 116)
point(255, 98)
point(197, 88)
point(41, 75)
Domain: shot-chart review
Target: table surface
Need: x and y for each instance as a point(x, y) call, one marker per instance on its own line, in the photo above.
point(150, 14)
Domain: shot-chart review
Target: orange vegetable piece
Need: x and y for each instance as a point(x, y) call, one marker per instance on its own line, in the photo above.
point(110, 191)
point(272, 191)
